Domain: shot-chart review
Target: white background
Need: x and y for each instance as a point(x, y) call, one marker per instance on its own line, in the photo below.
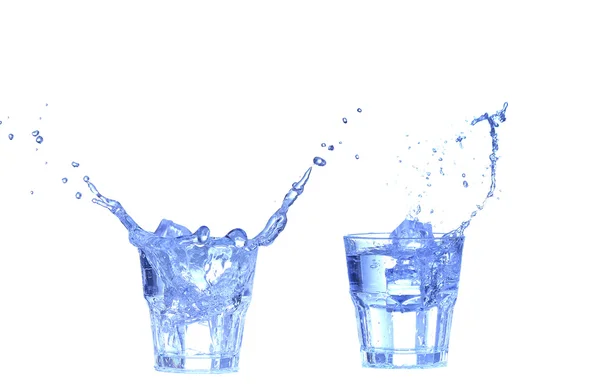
point(156, 99)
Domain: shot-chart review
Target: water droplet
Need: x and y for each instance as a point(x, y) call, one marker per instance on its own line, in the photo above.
point(78, 195)
point(465, 184)
point(429, 184)
point(40, 117)
point(440, 159)
point(418, 142)
point(442, 171)
point(238, 236)
point(0, 122)
point(46, 104)
point(359, 110)
point(35, 133)
point(431, 211)
point(64, 180)
point(31, 192)
point(463, 175)
point(345, 120)
point(340, 142)
point(323, 145)
point(409, 147)
point(203, 233)
point(39, 139)
point(330, 147)
point(86, 178)
point(434, 150)
point(356, 157)
point(10, 136)
point(399, 161)
point(75, 164)
point(428, 173)
point(319, 161)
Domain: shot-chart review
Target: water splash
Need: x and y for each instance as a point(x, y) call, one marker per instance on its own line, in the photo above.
point(494, 121)
point(271, 231)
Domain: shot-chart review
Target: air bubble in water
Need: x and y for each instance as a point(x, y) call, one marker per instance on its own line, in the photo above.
point(78, 195)
point(319, 161)
point(331, 147)
point(39, 139)
point(323, 145)
point(75, 164)
point(465, 184)
point(345, 120)
point(359, 110)
point(11, 136)
point(35, 133)
point(64, 180)
point(356, 157)
point(86, 178)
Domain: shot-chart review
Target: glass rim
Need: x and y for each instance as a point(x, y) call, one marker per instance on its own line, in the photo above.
point(386, 235)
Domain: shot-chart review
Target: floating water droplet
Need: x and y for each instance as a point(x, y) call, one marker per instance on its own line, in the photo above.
point(465, 184)
point(345, 120)
point(64, 180)
point(75, 164)
point(39, 139)
point(323, 145)
point(319, 161)
point(356, 157)
point(78, 195)
point(359, 110)
point(86, 178)
point(11, 136)
point(440, 159)
point(203, 233)
point(31, 192)
point(35, 133)
point(463, 175)
point(434, 150)
point(331, 148)
point(340, 142)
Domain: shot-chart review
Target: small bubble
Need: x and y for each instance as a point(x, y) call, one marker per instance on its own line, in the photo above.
point(359, 110)
point(340, 142)
point(463, 175)
point(11, 136)
point(35, 133)
point(440, 159)
point(319, 161)
point(345, 120)
point(31, 192)
point(75, 164)
point(356, 157)
point(78, 195)
point(86, 178)
point(330, 147)
point(39, 139)
point(64, 180)
point(323, 145)
point(465, 184)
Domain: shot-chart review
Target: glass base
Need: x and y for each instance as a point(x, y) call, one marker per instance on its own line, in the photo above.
point(409, 359)
point(197, 364)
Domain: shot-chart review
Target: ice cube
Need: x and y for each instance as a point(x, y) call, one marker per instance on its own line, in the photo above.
point(167, 228)
point(413, 230)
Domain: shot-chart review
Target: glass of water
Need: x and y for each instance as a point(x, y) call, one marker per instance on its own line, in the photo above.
point(404, 291)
